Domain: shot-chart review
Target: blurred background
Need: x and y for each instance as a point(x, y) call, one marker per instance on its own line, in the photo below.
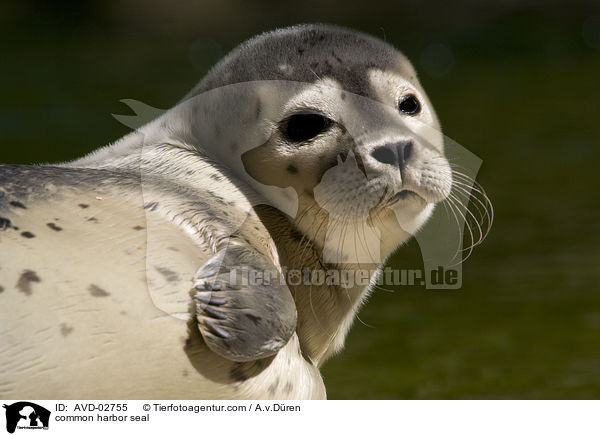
point(515, 82)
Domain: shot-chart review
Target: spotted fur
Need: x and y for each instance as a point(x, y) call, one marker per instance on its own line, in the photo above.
point(215, 186)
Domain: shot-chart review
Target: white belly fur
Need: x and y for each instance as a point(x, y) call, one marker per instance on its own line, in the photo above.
point(62, 339)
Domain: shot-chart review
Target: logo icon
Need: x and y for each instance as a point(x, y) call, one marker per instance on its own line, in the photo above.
point(26, 415)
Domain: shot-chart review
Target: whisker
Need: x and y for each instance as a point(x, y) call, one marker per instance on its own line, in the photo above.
point(470, 213)
point(467, 185)
point(451, 207)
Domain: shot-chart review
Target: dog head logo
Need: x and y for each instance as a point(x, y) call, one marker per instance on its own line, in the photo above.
point(26, 415)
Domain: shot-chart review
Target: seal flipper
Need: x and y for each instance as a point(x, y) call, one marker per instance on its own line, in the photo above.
point(240, 318)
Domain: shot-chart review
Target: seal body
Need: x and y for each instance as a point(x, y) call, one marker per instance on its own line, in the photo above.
point(78, 320)
point(309, 148)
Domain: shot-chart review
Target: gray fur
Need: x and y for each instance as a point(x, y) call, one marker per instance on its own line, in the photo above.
point(54, 227)
point(312, 51)
point(97, 291)
point(18, 204)
point(169, 275)
point(25, 280)
point(5, 223)
point(65, 329)
point(237, 373)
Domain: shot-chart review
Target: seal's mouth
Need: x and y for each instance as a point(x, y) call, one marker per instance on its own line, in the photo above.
point(405, 194)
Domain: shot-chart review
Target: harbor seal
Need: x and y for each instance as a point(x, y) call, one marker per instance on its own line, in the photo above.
point(162, 266)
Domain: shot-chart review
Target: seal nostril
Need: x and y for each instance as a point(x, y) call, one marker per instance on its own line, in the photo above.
point(405, 150)
point(385, 155)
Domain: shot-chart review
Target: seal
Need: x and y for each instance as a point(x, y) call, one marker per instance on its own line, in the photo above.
point(181, 261)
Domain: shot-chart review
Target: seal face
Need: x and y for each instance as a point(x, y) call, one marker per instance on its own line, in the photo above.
point(355, 143)
point(307, 147)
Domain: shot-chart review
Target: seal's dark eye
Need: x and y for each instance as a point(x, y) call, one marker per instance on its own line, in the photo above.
point(409, 105)
point(304, 126)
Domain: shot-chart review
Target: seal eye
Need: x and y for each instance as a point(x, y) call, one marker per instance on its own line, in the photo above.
point(409, 105)
point(304, 126)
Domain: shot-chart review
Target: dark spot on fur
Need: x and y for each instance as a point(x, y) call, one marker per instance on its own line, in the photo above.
point(54, 227)
point(138, 228)
point(297, 235)
point(343, 96)
point(4, 223)
point(18, 204)
point(288, 388)
point(1, 289)
point(292, 169)
point(173, 248)
point(24, 282)
point(214, 194)
point(97, 291)
point(258, 109)
point(169, 275)
point(360, 164)
point(93, 219)
point(65, 330)
point(273, 388)
point(254, 319)
point(262, 363)
point(216, 177)
point(152, 206)
point(83, 206)
point(185, 373)
point(301, 51)
point(234, 146)
point(237, 373)
point(28, 235)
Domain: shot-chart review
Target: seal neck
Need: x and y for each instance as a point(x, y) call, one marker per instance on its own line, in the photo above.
point(327, 295)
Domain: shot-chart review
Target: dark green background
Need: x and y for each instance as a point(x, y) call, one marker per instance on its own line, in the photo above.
point(517, 84)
